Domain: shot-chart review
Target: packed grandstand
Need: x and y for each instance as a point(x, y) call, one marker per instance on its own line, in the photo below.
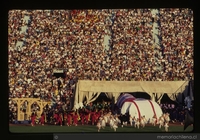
point(74, 41)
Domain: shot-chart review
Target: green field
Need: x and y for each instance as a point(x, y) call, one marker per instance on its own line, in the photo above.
point(90, 128)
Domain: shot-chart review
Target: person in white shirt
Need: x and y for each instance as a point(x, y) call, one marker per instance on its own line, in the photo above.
point(103, 123)
point(142, 121)
point(153, 121)
point(137, 123)
point(161, 121)
point(115, 126)
point(111, 122)
point(131, 120)
point(167, 118)
point(99, 126)
point(166, 127)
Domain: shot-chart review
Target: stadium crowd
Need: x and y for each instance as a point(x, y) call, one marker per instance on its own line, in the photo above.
point(176, 32)
point(74, 41)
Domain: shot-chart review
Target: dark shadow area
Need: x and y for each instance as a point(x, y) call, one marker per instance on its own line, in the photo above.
point(57, 75)
point(166, 100)
point(140, 95)
point(102, 97)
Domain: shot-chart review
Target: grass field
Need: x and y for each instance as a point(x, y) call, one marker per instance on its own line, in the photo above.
point(90, 128)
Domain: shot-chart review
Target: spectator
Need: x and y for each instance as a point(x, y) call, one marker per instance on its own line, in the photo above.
point(74, 40)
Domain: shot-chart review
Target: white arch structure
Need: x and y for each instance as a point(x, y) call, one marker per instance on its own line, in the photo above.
point(138, 108)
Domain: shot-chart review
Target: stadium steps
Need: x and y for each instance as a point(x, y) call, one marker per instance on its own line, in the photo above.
point(107, 38)
point(155, 28)
point(155, 36)
point(24, 28)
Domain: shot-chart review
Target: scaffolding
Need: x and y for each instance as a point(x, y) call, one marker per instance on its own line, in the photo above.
point(21, 116)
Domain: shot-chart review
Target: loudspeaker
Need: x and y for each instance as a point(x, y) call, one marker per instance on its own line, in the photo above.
point(188, 120)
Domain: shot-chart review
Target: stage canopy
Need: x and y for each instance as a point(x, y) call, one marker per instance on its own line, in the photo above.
point(90, 89)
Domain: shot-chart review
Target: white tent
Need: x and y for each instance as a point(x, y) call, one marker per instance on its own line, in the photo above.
point(125, 107)
point(91, 89)
point(138, 108)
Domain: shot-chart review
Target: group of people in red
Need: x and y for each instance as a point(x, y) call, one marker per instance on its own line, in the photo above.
point(34, 117)
point(87, 116)
point(82, 117)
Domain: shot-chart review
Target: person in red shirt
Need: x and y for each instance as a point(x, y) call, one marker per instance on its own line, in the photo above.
point(59, 119)
point(55, 117)
point(33, 117)
point(97, 115)
point(65, 118)
point(93, 117)
point(87, 114)
point(82, 115)
point(42, 118)
point(75, 119)
point(68, 119)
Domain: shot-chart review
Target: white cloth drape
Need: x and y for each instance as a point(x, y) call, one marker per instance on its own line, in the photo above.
point(91, 96)
point(109, 95)
point(91, 89)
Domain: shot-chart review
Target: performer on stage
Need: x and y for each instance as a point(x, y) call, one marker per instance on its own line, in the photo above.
point(33, 117)
point(60, 119)
point(82, 115)
point(68, 119)
point(87, 116)
point(75, 118)
point(166, 126)
point(55, 117)
point(93, 117)
point(97, 115)
point(65, 118)
point(42, 118)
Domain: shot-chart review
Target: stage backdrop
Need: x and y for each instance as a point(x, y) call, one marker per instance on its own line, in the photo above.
point(90, 89)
